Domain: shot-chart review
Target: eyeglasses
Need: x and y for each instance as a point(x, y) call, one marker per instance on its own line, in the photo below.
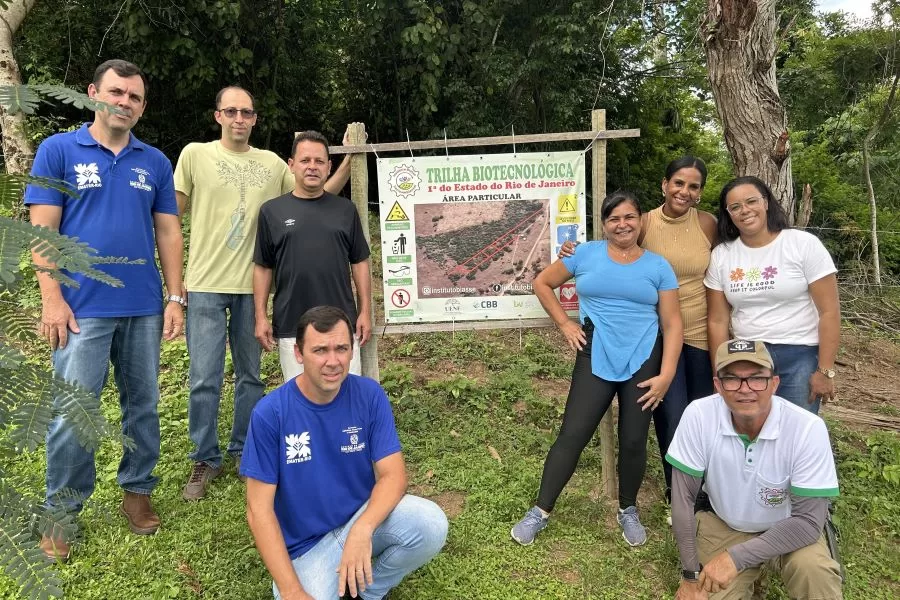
point(749, 203)
point(247, 113)
point(757, 383)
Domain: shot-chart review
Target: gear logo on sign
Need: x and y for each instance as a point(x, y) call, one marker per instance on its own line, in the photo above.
point(404, 181)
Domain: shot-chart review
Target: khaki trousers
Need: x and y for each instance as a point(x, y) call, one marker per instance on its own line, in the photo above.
point(808, 573)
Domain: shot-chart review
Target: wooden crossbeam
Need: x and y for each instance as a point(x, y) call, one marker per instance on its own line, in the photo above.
point(502, 140)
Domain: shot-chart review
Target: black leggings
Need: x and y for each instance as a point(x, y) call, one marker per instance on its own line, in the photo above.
point(589, 399)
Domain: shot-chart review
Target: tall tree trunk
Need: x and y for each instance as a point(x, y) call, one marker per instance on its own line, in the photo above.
point(17, 149)
point(873, 212)
point(740, 41)
point(867, 142)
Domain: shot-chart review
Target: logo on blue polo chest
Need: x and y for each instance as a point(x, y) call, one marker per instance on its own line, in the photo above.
point(139, 179)
point(354, 445)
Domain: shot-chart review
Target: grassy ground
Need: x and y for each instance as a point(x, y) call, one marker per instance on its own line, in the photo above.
point(476, 413)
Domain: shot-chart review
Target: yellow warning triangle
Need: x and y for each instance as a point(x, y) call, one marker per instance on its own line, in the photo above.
point(567, 203)
point(397, 213)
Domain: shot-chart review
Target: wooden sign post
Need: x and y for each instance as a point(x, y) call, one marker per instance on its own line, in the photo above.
point(598, 170)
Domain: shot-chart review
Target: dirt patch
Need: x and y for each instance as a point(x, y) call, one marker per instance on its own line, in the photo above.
point(868, 377)
point(558, 389)
point(452, 503)
point(569, 577)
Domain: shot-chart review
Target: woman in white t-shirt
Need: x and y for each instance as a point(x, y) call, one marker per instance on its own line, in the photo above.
point(774, 284)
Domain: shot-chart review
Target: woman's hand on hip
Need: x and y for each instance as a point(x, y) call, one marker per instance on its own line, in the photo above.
point(658, 386)
point(574, 334)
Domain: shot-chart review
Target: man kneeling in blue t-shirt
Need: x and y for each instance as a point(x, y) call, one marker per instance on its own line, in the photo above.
point(325, 522)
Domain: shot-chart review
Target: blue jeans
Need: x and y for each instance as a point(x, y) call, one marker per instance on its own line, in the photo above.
point(693, 379)
point(132, 345)
point(412, 535)
point(794, 365)
point(207, 325)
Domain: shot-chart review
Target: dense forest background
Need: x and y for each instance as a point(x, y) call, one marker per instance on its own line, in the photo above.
point(485, 68)
point(476, 410)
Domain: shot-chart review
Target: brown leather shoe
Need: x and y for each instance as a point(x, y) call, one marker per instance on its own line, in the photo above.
point(142, 519)
point(55, 548)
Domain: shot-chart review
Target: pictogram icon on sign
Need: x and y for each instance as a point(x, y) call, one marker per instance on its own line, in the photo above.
point(568, 297)
point(400, 298)
point(397, 213)
point(567, 204)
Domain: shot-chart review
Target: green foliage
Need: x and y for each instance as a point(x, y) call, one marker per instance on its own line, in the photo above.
point(835, 78)
point(26, 98)
point(30, 395)
point(882, 463)
point(21, 559)
point(868, 509)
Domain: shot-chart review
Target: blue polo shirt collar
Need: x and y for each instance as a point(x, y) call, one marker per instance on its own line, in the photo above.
point(84, 138)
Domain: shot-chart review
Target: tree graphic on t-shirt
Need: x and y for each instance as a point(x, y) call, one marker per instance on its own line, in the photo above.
point(87, 174)
point(241, 176)
point(297, 446)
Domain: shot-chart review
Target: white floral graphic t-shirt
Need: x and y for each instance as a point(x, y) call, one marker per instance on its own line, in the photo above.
point(768, 287)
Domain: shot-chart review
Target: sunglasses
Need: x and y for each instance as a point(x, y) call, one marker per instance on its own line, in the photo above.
point(247, 113)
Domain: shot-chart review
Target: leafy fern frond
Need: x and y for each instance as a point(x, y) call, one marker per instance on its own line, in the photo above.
point(19, 99)
point(65, 252)
point(82, 410)
point(77, 99)
point(20, 556)
point(28, 395)
point(14, 323)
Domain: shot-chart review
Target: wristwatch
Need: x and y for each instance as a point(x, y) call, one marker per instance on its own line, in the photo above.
point(829, 373)
point(176, 298)
point(690, 575)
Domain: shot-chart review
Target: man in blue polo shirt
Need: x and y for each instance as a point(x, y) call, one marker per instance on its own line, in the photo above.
point(125, 208)
point(326, 481)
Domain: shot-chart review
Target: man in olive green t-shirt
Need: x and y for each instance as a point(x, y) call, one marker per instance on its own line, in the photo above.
point(225, 182)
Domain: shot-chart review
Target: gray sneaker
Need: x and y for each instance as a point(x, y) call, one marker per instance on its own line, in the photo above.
point(632, 530)
point(200, 477)
point(531, 524)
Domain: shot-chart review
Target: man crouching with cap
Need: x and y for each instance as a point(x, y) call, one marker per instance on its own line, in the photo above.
point(768, 470)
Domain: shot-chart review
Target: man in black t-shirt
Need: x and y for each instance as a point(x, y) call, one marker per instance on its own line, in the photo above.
point(306, 239)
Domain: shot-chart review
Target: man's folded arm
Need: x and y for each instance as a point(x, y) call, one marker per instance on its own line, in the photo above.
point(801, 529)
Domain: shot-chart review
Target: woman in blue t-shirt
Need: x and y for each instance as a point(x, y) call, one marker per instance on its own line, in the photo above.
point(625, 294)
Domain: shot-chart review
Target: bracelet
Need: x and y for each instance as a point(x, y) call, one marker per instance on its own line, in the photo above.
point(176, 298)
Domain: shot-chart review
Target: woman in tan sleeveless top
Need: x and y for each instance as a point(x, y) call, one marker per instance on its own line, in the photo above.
point(684, 236)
